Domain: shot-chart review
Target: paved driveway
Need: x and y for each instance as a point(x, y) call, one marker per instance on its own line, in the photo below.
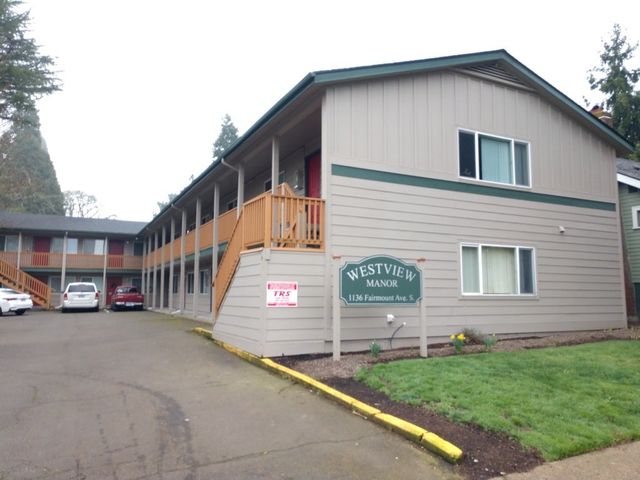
point(133, 395)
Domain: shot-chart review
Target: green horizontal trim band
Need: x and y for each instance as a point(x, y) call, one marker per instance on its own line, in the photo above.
point(402, 179)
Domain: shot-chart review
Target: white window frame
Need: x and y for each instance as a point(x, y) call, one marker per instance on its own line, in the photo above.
point(205, 282)
point(477, 134)
point(517, 248)
point(634, 216)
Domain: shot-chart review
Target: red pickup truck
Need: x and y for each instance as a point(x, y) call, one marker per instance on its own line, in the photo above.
point(125, 297)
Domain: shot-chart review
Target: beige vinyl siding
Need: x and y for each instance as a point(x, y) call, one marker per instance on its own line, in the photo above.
point(301, 329)
point(409, 125)
point(632, 236)
point(239, 319)
point(578, 277)
point(245, 320)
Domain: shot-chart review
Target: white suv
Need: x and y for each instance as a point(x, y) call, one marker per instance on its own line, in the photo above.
point(81, 295)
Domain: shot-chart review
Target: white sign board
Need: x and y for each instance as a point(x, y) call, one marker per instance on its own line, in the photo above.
point(282, 294)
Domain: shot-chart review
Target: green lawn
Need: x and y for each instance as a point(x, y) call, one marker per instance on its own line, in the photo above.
point(561, 401)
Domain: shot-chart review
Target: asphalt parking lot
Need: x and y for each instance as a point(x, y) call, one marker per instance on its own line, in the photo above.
point(135, 395)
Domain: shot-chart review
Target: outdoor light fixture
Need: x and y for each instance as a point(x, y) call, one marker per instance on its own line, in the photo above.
point(560, 228)
point(390, 318)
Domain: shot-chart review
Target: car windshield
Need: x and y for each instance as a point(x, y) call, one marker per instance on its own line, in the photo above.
point(8, 290)
point(82, 288)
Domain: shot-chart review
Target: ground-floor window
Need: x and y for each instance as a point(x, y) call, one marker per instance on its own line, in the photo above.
point(205, 282)
point(190, 282)
point(55, 283)
point(176, 284)
point(497, 270)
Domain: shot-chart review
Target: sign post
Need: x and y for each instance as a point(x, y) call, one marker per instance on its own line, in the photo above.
point(336, 308)
point(423, 312)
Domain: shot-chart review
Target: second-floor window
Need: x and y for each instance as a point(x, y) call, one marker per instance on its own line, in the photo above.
point(8, 243)
point(494, 159)
point(92, 246)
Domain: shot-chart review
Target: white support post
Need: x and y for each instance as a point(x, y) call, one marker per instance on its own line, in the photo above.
point(275, 164)
point(144, 270)
point(183, 246)
point(196, 259)
point(240, 190)
point(19, 250)
point(155, 270)
point(63, 273)
point(171, 260)
point(103, 295)
point(214, 251)
point(336, 323)
point(150, 286)
point(423, 309)
point(162, 265)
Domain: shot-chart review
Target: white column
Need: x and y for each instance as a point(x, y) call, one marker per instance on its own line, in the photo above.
point(144, 270)
point(171, 259)
point(183, 246)
point(240, 189)
point(275, 164)
point(63, 273)
point(196, 258)
point(155, 270)
point(103, 295)
point(214, 250)
point(19, 250)
point(162, 260)
point(150, 286)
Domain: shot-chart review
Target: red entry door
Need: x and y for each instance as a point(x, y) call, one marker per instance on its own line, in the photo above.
point(112, 283)
point(116, 248)
point(313, 187)
point(41, 248)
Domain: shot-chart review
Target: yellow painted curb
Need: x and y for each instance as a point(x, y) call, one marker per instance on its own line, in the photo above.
point(419, 435)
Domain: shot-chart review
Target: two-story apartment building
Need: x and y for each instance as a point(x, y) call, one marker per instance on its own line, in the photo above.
point(43, 253)
point(473, 162)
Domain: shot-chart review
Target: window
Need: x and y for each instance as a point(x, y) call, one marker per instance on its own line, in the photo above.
point(635, 216)
point(176, 284)
point(72, 245)
point(92, 246)
point(138, 249)
point(232, 204)
point(205, 282)
point(494, 159)
point(190, 282)
point(497, 270)
point(137, 282)
point(8, 243)
point(268, 184)
point(55, 283)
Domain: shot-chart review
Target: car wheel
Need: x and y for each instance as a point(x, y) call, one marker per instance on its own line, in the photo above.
point(19, 312)
point(114, 308)
point(96, 309)
point(64, 310)
point(0, 312)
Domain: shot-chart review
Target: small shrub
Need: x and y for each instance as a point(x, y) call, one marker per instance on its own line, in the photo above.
point(375, 349)
point(458, 341)
point(490, 341)
point(473, 336)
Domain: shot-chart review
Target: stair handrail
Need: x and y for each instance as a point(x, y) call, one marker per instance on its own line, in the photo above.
point(20, 280)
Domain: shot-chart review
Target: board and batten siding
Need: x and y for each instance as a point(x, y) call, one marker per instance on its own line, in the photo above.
point(246, 322)
point(628, 200)
point(578, 276)
point(409, 124)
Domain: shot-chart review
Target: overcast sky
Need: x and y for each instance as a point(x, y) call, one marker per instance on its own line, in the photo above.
point(147, 82)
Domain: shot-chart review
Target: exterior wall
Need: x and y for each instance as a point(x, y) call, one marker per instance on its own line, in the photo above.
point(579, 283)
point(632, 236)
point(409, 124)
point(407, 127)
point(246, 322)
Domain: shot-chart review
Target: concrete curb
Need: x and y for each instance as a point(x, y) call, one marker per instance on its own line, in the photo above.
point(419, 435)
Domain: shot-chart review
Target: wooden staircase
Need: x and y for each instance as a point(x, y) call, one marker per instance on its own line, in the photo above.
point(283, 221)
point(12, 277)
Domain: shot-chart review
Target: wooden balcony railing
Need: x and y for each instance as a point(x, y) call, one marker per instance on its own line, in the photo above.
point(271, 221)
point(74, 261)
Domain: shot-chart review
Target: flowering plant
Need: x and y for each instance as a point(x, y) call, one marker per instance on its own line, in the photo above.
point(458, 341)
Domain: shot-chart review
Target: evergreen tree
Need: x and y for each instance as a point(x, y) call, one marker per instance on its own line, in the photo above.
point(228, 135)
point(25, 75)
point(27, 176)
point(617, 82)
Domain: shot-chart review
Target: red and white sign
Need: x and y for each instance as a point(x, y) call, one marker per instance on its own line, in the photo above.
point(282, 294)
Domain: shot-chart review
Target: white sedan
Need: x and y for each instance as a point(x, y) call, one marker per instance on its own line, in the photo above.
point(14, 301)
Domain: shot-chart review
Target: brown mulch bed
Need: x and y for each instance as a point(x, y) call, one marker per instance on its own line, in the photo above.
point(486, 454)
